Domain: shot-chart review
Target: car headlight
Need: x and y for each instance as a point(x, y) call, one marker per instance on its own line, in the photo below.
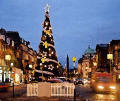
point(112, 87)
point(100, 87)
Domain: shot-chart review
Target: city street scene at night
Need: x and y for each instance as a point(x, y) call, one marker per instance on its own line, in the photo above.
point(59, 50)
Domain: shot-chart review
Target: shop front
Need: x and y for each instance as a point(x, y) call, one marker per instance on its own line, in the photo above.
point(16, 75)
point(5, 74)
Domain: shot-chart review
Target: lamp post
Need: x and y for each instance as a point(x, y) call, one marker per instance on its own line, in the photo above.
point(42, 70)
point(29, 74)
point(74, 59)
point(13, 85)
point(8, 58)
point(110, 57)
point(95, 65)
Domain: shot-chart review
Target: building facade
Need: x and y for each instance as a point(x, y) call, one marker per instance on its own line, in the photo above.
point(114, 49)
point(101, 56)
point(6, 57)
point(85, 64)
point(17, 59)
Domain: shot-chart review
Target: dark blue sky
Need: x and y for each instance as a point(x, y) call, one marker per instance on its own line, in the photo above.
point(76, 23)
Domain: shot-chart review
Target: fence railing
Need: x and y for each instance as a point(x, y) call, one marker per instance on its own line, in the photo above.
point(50, 89)
point(62, 89)
point(32, 89)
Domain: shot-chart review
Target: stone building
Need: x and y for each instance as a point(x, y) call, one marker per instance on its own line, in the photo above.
point(85, 64)
point(23, 58)
point(7, 57)
point(114, 49)
point(101, 55)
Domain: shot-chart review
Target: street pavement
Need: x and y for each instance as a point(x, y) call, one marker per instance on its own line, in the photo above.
point(18, 91)
point(87, 94)
point(44, 99)
point(83, 93)
point(21, 95)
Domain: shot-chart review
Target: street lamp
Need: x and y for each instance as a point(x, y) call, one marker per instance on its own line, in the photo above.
point(8, 57)
point(13, 74)
point(95, 65)
point(42, 69)
point(29, 75)
point(110, 57)
point(30, 66)
point(11, 64)
point(74, 59)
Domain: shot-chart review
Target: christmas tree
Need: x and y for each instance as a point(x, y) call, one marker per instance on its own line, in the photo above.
point(48, 59)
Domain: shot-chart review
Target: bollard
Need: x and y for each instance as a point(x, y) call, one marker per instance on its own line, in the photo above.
point(13, 90)
point(74, 94)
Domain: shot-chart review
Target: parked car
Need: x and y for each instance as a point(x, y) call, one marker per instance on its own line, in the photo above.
point(78, 81)
point(54, 81)
point(3, 86)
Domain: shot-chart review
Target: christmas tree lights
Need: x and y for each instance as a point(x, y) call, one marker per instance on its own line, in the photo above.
point(48, 59)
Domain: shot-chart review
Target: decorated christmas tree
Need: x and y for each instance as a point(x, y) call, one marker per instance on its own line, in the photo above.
point(47, 54)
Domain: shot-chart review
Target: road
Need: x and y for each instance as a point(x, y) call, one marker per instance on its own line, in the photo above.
point(18, 90)
point(86, 93)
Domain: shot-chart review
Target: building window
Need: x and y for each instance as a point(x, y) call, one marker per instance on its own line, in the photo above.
point(118, 56)
point(8, 41)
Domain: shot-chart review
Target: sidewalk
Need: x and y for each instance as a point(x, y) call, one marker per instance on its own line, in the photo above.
point(18, 91)
point(43, 99)
point(24, 97)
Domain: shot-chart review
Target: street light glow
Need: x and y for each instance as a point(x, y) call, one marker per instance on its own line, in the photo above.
point(11, 64)
point(7, 57)
point(100, 87)
point(30, 66)
point(110, 56)
point(112, 87)
point(73, 59)
point(95, 64)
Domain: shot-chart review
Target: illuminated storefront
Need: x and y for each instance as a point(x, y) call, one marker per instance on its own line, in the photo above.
point(17, 75)
point(5, 74)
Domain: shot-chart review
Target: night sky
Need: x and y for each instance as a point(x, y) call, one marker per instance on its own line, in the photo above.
point(76, 23)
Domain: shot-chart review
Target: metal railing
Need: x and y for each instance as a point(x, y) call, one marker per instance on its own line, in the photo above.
point(50, 89)
point(62, 89)
point(32, 89)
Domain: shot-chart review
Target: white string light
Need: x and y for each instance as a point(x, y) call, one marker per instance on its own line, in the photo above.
point(46, 23)
point(52, 52)
point(49, 54)
point(49, 49)
point(45, 65)
point(40, 64)
point(51, 67)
